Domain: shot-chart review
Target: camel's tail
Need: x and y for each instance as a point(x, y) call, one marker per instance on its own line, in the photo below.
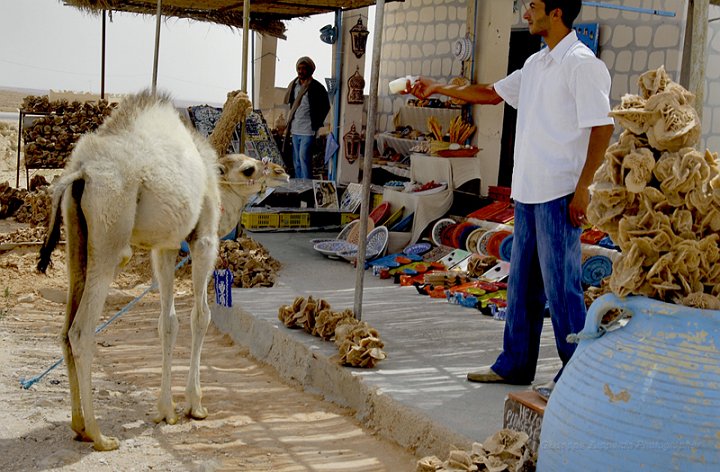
point(53, 235)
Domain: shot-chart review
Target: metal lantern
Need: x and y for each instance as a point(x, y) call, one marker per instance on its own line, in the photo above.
point(352, 141)
point(359, 35)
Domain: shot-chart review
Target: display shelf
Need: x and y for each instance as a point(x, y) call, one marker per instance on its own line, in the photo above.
point(417, 117)
point(457, 170)
point(26, 118)
point(401, 145)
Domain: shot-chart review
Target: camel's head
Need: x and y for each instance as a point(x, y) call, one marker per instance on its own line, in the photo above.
point(274, 174)
point(240, 170)
point(250, 175)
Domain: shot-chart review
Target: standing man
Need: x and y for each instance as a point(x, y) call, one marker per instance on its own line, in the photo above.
point(563, 129)
point(309, 105)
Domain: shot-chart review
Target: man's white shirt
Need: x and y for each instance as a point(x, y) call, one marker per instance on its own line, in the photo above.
point(560, 94)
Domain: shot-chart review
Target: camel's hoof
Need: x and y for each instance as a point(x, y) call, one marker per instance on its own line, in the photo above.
point(168, 418)
point(199, 413)
point(166, 413)
point(106, 443)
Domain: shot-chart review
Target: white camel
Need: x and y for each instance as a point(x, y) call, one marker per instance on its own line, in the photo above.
point(143, 179)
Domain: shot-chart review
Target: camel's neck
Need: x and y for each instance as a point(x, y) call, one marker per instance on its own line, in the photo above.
point(233, 199)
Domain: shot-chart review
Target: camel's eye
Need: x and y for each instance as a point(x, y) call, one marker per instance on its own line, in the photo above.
point(248, 171)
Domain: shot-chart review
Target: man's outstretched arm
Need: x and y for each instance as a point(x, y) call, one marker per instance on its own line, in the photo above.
point(481, 94)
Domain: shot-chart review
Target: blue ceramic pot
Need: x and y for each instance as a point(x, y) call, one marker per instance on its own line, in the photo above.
point(645, 396)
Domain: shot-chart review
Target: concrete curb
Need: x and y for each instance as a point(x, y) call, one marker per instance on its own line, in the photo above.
point(317, 371)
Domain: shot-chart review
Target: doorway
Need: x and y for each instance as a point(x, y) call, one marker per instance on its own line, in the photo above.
point(522, 45)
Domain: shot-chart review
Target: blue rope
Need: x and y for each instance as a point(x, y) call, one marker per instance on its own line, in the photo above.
point(26, 384)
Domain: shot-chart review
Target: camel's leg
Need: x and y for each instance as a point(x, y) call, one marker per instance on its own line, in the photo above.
point(164, 265)
point(82, 341)
point(76, 263)
point(204, 252)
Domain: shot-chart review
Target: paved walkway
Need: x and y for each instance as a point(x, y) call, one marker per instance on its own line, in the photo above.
point(418, 396)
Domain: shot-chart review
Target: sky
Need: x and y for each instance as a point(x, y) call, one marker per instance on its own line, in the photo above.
point(46, 45)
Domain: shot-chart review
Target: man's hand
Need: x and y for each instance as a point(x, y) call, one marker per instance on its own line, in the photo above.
point(599, 139)
point(422, 88)
point(578, 207)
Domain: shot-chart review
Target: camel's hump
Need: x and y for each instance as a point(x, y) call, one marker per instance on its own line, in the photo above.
point(131, 107)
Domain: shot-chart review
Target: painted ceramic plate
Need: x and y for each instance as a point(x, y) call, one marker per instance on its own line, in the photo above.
point(346, 229)
point(377, 240)
point(405, 224)
point(376, 244)
point(483, 242)
point(351, 254)
point(331, 248)
point(419, 248)
point(506, 248)
point(380, 212)
point(314, 241)
point(472, 239)
point(353, 235)
point(439, 226)
point(394, 218)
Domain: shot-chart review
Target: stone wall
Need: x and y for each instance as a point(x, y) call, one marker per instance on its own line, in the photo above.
point(632, 43)
point(418, 39)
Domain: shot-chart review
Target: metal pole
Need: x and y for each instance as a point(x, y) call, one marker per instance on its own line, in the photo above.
point(102, 58)
point(367, 162)
point(332, 165)
point(246, 34)
point(698, 53)
point(246, 28)
point(252, 64)
point(157, 46)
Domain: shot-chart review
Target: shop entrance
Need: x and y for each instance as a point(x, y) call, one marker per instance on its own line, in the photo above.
point(522, 45)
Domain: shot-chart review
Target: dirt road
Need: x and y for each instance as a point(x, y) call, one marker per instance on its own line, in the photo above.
point(256, 422)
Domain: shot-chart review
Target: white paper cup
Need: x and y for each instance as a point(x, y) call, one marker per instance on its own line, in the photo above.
point(400, 84)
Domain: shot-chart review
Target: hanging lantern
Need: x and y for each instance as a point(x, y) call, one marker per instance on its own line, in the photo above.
point(352, 141)
point(359, 35)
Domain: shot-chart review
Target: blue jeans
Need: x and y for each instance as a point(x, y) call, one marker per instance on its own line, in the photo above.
point(302, 156)
point(545, 264)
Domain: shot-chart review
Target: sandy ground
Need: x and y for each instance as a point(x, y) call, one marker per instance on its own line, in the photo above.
point(256, 423)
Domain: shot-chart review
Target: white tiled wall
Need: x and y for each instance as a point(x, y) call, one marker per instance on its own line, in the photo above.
point(419, 34)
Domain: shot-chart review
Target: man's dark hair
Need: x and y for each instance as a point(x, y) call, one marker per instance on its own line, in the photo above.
point(570, 9)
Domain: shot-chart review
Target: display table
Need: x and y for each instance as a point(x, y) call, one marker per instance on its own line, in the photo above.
point(453, 170)
point(427, 208)
point(401, 145)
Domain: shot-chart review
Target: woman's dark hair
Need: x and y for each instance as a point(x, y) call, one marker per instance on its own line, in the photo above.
point(570, 9)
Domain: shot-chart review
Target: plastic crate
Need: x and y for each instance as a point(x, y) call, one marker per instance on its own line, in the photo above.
point(346, 218)
point(258, 220)
point(294, 220)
